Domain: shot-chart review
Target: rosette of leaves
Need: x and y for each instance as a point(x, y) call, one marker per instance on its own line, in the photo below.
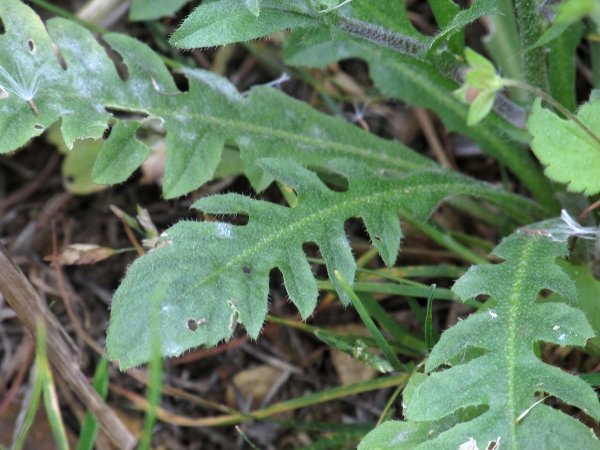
point(485, 384)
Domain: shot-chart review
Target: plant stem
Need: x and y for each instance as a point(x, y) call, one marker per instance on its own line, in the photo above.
point(533, 59)
point(568, 114)
point(380, 36)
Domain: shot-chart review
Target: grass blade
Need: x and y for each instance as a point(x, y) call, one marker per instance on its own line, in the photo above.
point(364, 315)
point(430, 335)
point(89, 428)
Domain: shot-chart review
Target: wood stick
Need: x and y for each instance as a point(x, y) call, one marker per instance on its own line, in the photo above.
point(62, 352)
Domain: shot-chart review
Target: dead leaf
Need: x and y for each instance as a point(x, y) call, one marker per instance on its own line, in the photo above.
point(80, 254)
point(254, 382)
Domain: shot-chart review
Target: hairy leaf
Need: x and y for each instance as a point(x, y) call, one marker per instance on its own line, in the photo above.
point(570, 154)
point(222, 22)
point(154, 9)
point(227, 21)
point(216, 274)
point(460, 20)
point(508, 378)
point(420, 83)
point(588, 290)
point(198, 122)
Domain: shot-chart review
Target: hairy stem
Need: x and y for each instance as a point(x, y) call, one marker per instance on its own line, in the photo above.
point(533, 59)
point(381, 36)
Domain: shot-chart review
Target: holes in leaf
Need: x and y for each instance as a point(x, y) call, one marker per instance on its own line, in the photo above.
point(246, 270)
point(2, 29)
point(38, 127)
point(126, 115)
point(31, 45)
point(334, 181)
point(149, 128)
point(106, 133)
point(193, 325)
point(314, 257)
point(117, 60)
point(181, 82)
point(227, 220)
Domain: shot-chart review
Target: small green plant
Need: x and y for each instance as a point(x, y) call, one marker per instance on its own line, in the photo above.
point(483, 384)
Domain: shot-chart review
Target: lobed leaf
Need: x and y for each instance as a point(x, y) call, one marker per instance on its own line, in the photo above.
point(216, 274)
point(570, 154)
point(420, 83)
point(264, 123)
point(507, 377)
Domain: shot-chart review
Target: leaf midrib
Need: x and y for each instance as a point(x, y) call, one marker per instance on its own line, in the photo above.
point(241, 127)
point(291, 230)
point(516, 293)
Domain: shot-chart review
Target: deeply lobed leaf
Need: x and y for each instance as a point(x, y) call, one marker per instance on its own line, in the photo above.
point(215, 273)
point(198, 122)
point(420, 83)
point(507, 377)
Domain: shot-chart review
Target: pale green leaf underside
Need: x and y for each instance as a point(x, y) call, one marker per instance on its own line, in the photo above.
point(569, 153)
point(217, 273)
point(265, 123)
point(508, 375)
point(154, 9)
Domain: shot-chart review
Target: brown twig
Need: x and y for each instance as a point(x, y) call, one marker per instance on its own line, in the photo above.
point(62, 352)
point(16, 384)
point(66, 299)
point(26, 191)
point(432, 138)
point(587, 211)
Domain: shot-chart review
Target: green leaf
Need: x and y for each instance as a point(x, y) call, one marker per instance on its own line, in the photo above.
point(569, 12)
point(264, 123)
point(459, 21)
point(386, 14)
point(401, 435)
point(216, 274)
point(481, 107)
point(502, 43)
point(120, 155)
point(445, 11)
point(77, 164)
point(253, 6)
point(420, 83)
point(561, 66)
point(227, 21)
point(90, 426)
point(154, 9)
point(569, 153)
point(507, 377)
point(588, 290)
